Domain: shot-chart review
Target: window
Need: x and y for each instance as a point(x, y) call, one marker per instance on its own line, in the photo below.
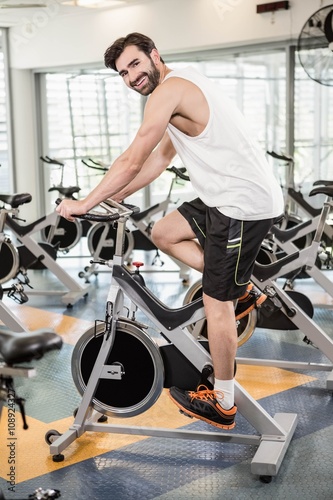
point(5, 168)
point(257, 83)
point(313, 130)
point(90, 115)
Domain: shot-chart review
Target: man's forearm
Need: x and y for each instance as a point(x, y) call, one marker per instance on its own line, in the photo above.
point(152, 168)
point(115, 180)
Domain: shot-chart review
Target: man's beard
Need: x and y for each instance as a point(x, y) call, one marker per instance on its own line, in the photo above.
point(152, 82)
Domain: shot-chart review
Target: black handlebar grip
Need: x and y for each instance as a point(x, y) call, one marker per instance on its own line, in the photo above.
point(98, 217)
point(51, 161)
point(179, 173)
point(280, 157)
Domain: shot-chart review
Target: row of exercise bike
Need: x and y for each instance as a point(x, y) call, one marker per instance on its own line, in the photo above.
point(120, 369)
point(58, 236)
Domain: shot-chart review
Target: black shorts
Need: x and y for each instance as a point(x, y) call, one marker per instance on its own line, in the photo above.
point(230, 248)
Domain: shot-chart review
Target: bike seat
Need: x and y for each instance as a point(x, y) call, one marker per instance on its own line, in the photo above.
point(65, 191)
point(288, 234)
point(328, 190)
point(22, 347)
point(17, 199)
point(168, 317)
point(323, 183)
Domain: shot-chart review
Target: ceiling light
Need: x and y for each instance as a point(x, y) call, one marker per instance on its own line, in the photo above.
point(95, 4)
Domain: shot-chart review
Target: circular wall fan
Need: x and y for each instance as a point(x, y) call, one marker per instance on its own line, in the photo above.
point(315, 46)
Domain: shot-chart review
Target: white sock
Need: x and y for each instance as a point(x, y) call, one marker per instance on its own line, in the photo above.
point(227, 387)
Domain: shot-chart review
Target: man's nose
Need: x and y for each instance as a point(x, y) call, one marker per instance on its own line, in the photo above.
point(133, 76)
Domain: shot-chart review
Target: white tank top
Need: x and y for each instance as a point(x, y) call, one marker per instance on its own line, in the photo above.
point(226, 166)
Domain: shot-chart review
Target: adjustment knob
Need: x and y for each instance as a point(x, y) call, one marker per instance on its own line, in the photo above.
point(137, 264)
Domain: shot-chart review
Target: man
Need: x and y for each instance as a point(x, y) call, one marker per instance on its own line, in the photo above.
point(220, 232)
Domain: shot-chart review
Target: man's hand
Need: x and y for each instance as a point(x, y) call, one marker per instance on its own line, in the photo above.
point(69, 207)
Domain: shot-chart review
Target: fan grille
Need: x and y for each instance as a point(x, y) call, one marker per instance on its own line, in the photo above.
point(315, 46)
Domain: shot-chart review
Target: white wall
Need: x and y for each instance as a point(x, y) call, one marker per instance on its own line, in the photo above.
point(49, 39)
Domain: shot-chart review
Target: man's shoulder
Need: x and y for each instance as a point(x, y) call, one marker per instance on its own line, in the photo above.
point(185, 71)
point(173, 82)
point(183, 76)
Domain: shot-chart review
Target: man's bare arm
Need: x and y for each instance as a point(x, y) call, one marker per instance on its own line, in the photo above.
point(159, 109)
point(155, 164)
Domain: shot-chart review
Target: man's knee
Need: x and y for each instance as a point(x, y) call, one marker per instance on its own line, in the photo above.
point(215, 307)
point(171, 230)
point(159, 234)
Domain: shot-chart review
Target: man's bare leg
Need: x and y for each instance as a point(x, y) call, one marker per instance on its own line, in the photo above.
point(222, 336)
point(215, 407)
point(173, 235)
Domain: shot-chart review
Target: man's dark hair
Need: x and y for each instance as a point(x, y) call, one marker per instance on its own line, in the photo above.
point(115, 50)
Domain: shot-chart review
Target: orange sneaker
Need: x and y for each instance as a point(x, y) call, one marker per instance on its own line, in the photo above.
point(203, 404)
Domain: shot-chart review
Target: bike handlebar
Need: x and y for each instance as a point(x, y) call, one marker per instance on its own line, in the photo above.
point(180, 172)
point(93, 217)
point(109, 204)
point(51, 161)
point(98, 166)
point(280, 156)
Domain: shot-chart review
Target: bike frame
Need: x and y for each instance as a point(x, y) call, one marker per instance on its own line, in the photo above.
point(274, 433)
point(139, 224)
point(25, 234)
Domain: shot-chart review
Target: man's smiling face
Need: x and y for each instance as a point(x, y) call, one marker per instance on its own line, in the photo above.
point(138, 70)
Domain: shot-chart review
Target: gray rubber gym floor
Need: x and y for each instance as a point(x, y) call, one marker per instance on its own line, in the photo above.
point(100, 466)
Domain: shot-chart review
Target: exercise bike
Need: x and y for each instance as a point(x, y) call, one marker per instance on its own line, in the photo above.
point(120, 369)
point(17, 258)
point(102, 236)
point(15, 350)
point(298, 209)
point(29, 254)
point(296, 308)
point(286, 309)
point(63, 234)
point(308, 263)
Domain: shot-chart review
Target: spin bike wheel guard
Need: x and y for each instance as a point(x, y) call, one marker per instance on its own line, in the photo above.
point(140, 385)
point(9, 258)
point(107, 250)
point(71, 234)
point(277, 320)
point(179, 371)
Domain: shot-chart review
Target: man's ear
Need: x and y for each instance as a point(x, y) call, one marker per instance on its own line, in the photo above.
point(155, 56)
